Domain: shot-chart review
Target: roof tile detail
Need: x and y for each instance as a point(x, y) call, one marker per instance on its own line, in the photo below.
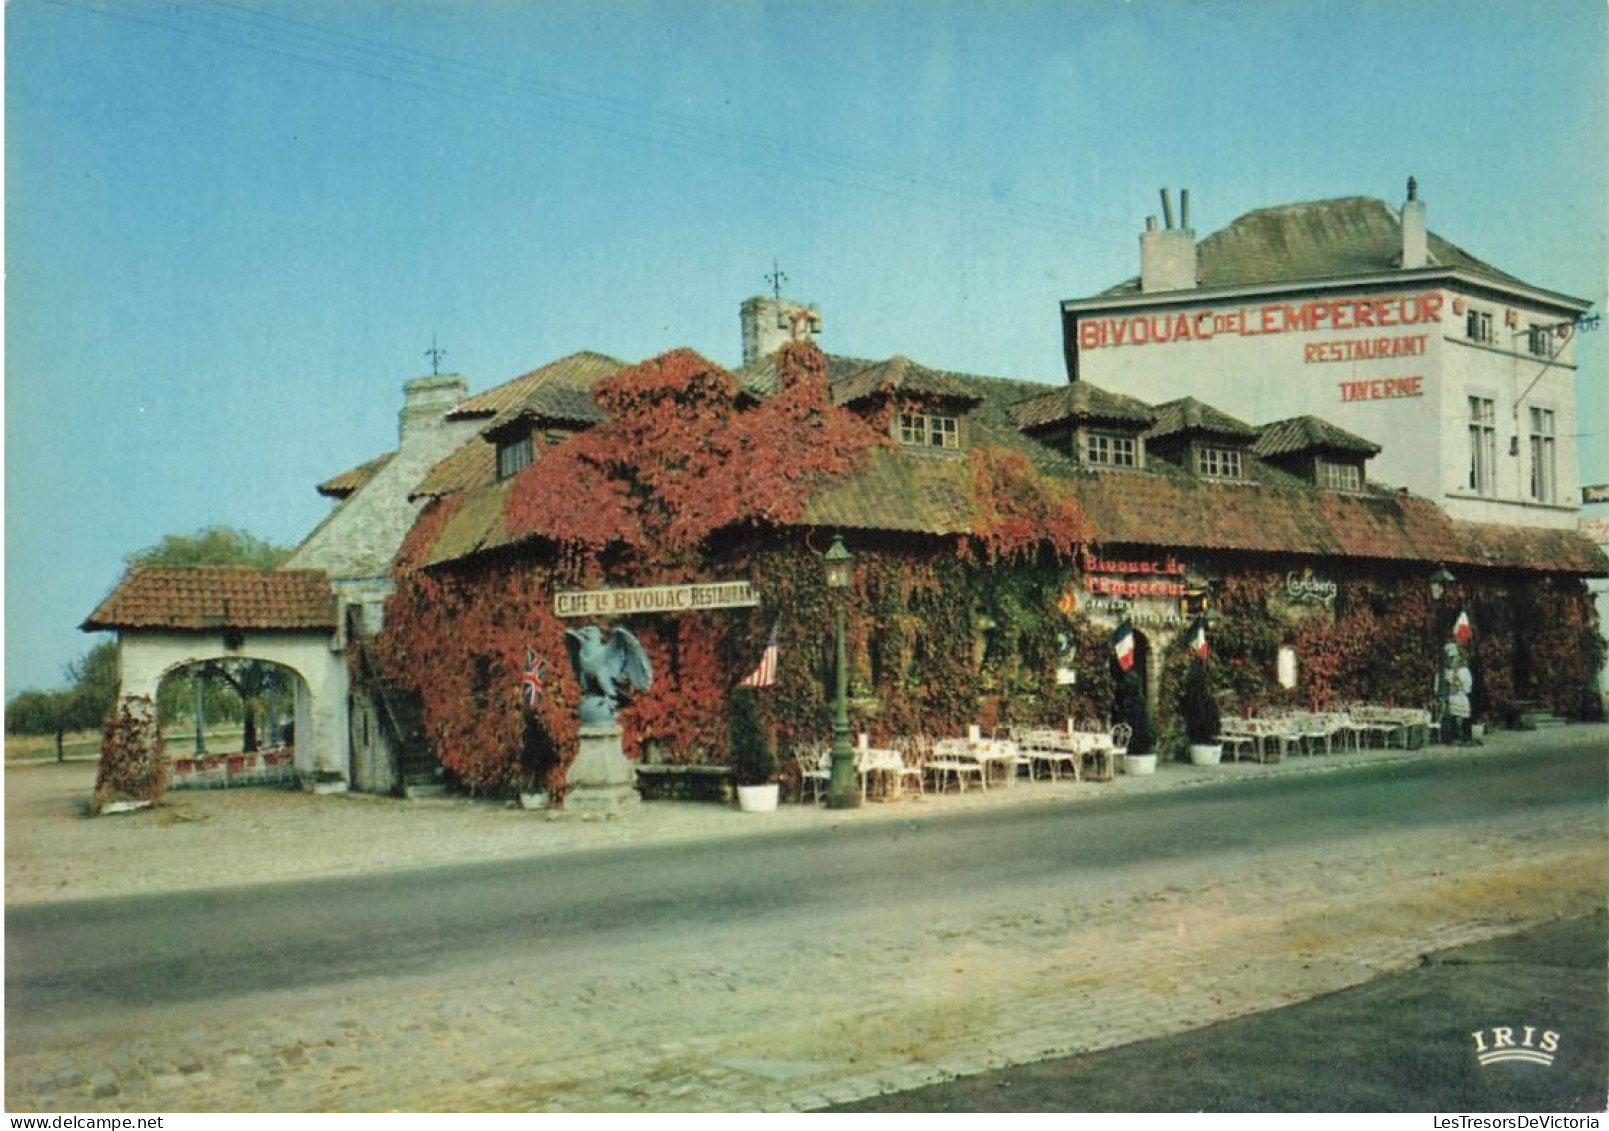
point(1310, 434)
point(216, 597)
point(1295, 243)
point(577, 371)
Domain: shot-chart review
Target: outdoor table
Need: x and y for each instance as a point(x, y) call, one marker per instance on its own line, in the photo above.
point(871, 760)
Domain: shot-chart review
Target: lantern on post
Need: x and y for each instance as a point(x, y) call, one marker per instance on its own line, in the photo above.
point(842, 791)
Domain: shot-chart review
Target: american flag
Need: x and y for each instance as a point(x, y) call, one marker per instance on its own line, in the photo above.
point(766, 673)
point(531, 681)
point(1123, 645)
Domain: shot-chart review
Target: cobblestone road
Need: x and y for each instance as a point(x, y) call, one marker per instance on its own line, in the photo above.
point(722, 1020)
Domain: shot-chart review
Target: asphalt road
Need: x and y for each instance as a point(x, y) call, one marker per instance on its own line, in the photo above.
point(71, 966)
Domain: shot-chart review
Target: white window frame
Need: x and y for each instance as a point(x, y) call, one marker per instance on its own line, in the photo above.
point(1482, 445)
point(1478, 326)
point(1339, 475)
point(1214, 462)
point(1111, 449)
point(1544, 454)
point(929, 430)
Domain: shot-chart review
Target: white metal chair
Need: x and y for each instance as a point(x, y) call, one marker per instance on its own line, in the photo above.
point(950, 760)
point(815, 770)
point(913, 755)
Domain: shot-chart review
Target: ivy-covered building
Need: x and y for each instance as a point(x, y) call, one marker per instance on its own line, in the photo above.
point(1002, 530)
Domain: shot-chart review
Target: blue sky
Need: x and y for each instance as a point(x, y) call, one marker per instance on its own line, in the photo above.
point(233, 229)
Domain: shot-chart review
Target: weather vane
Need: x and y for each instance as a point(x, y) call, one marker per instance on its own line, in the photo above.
point(435, 353)
point(776, 278)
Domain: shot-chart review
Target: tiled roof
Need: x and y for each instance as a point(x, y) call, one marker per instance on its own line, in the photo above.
point(1187, 416)
point(552, 403)
point(1182, 512)
point(577, 371)
point(1163, 506)
point(902, 375)
point(476, 526)
point(213, 597)
point(759, 378)
point(1532, 548)
point(473, 464)
point(1309, 434)
point(1323, 239)
point(1077, 403)
point(897, 490)
point(352, 481)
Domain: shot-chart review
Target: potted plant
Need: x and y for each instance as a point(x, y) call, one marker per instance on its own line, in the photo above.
point(753, 761)
point(1201, 717)
point(1130, 707)
point(539, 757)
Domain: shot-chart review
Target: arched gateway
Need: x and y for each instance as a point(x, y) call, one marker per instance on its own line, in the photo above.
point(168, 618)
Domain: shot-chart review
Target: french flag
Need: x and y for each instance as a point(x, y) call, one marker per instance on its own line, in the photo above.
point(1123, 645)
point(1197, 641)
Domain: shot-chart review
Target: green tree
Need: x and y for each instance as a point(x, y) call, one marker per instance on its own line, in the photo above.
point(83, 705)
point(247, 680)
point(212, 546)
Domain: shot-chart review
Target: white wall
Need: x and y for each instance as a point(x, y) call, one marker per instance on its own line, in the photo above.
point(1255, 357)
point(145, 657)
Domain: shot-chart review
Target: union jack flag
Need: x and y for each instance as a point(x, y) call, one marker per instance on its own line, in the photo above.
point(766, 673)
point(533, 680)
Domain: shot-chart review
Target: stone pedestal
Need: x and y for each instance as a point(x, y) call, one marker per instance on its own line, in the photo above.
point(602, 782)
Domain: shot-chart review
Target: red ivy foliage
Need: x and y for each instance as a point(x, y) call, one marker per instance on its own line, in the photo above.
point(132, 765)
point(682, 455)
point(1017, 511)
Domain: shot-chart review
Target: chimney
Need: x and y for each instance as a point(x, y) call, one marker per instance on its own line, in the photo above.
point(1415, 241)
point(1168, 255)
point(771, 323)
point(426, 402)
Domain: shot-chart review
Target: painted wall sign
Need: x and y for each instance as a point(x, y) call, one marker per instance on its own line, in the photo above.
point(1368, 313)
point(656, 599)
point(1365, 349)
point(1305, 587)
point(1153, 578)
point(1382, 389)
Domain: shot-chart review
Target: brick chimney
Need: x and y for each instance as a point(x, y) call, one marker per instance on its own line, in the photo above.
point(771, 323)
point(1415, 240)
point(425, 403)
point(1168, 255)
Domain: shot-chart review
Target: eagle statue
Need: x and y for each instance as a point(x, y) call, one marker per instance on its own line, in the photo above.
point(609, 670)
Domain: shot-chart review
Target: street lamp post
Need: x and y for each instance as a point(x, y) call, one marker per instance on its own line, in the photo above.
point(842, 792)
point(1441, 583)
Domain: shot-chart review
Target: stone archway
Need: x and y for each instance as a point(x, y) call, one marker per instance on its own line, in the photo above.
point(169, 618)
point(146, 657)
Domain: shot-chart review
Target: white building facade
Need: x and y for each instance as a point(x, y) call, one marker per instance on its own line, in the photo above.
point(1349, 311)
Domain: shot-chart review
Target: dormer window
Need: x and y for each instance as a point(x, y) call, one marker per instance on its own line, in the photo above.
point(1218, 463)
point(1111, 449)
point(929, 430)
point(514, 456)
point(1335, 475)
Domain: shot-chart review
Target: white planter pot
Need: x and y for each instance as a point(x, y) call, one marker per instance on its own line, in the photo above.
point(1209, 754)
point(536, 800)
point(1138, 765)
point(758, 798)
